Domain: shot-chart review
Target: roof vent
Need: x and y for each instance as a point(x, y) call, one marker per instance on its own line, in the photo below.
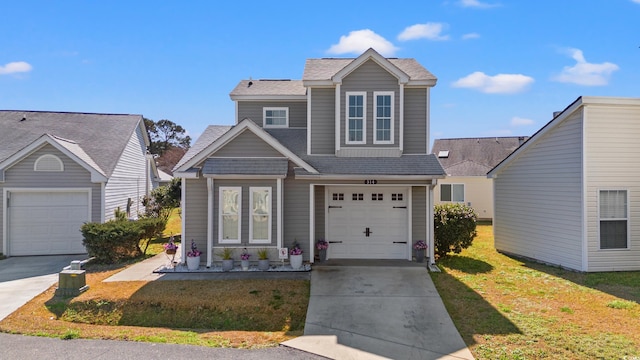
point(443, 154)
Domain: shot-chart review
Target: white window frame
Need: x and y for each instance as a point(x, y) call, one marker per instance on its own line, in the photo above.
point(375, 117)
point(452, 198)
point(221, 190)
point(49, 157)
point(348, 94)
point(252, 190)
point(627, 219)
point(264, 117)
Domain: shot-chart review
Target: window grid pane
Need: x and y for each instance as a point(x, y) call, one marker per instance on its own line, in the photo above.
point(356, 117)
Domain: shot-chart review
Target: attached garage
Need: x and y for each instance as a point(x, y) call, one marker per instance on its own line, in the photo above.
point(368, 223)
point(46, 222)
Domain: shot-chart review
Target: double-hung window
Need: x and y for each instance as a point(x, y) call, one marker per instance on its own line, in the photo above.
point(230, 210)
point(614, 219)
point(276, 117)
point(260, 218)
point(356, 120)
point(452, 192)
point(383, 117)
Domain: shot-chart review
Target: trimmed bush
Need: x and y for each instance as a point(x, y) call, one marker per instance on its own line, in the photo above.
point(112, 241)
point(454, 228)
point(152, 227)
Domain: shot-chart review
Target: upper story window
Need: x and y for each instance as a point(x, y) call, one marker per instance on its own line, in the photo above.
point(48, 162)
point(383, 117)
point(452, 192)
point(356, 129)
point(614, 219)
point(276, 117)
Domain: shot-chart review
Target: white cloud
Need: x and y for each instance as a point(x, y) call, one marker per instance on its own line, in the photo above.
point(359, 41)
point(470, 36)
point(584, 73)
point(497, 84)
point(518, 121)
point(636, 1)
point(476, 4)
point(15, 67)
point(430, 31)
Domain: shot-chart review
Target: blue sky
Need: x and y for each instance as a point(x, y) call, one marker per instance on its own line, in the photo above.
point(503, 66)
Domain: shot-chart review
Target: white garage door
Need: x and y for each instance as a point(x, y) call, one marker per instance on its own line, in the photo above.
point(369, 223)
point(47, 222)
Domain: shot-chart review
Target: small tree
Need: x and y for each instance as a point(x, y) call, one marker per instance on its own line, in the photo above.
point(163, 200)
point(454, 228)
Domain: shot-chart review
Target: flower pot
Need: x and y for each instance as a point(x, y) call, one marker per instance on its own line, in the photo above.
point(193, 262)
point(263, 264)
point(419, 256)
point(322, 254)
point(245, 265)
point(227, 265)
point(170, 251)
point(296, 261)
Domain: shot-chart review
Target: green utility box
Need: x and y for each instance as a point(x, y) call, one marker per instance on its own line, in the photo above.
point(71, 282)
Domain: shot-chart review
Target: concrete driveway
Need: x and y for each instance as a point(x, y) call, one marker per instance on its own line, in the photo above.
point(23, 277)
point(373, 312)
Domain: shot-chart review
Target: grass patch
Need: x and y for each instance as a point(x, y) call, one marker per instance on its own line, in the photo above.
point(508, 308)
point(217, 313)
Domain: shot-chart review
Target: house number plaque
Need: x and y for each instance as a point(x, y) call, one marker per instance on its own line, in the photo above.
point(370, 182)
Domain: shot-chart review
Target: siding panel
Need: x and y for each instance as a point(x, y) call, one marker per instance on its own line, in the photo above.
point(247, 144)
point(415, 121)
point(323, 121)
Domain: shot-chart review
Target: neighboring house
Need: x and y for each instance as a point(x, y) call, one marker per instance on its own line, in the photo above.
point(163, 178)
point(157, 176)
point(569, 196)
point(59, 170)
point(466, 162)
point(341, 154)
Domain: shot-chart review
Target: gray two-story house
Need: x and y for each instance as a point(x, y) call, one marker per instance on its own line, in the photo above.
point(340, 155)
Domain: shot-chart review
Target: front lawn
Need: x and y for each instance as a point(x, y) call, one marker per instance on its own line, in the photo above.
point(508, 308)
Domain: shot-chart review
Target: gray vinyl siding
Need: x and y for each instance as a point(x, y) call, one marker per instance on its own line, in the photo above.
point(538, 199)
point(129, 178)
point(195, 214)
point(611, 134)
point(415, 121)
point(296, 213)
point(323, 121)
point(370, 77)
point(21, 175)
point(254, 111)
point(247, 144)
point(320, 206)
point(419, 213)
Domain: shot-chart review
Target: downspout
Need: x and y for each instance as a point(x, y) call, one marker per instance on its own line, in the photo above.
point(183, 210)
point(432, 259)
point(210, 187)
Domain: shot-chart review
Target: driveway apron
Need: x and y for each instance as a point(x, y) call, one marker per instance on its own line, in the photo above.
point(370, 312)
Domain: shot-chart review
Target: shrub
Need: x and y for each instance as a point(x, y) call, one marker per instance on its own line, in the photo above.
point(152, 227)
point(163, 199)
point(454, 228)
point(112, 241)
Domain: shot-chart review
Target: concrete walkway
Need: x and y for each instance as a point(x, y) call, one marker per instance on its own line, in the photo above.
point(373, 312)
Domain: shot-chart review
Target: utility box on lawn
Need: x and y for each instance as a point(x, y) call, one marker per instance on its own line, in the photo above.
point(72, 282)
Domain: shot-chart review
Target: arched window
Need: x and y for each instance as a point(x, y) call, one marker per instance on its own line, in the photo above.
point(48, 162)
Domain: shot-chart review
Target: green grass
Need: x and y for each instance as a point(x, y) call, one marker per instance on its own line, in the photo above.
point(508, 308)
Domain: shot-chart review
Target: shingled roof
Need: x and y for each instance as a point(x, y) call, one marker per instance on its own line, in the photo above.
point(101, 137)
point(474, 156)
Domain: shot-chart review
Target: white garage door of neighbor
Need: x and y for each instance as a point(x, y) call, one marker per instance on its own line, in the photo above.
point(368, 223)
point(47, 222)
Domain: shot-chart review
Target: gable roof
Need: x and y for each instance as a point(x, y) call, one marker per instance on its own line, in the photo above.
point(97, 139)
point(249, 89)
point(474, 156)
point(327, 70)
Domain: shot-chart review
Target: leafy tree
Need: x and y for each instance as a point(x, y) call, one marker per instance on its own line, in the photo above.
point(163, 200)
point(164, 135)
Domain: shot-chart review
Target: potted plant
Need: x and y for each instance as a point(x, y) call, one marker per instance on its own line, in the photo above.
point(295, 256)
point(263, 259)
point(322, 245)
point(193, 257)
point(420, 246)
point(244, 258)
point(170, 248)
point(227, 258)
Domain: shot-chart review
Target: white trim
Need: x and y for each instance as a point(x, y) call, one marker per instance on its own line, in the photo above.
point(364, 117)
point(338, 98)
point(627, 219)
point(391, 120)
point(243, 176)
point(429, 223)
point(5, 197)
point(464, 193)
point(210, 214)
point(279, 220)
point(309, 121)
point(366, 177)
point(221, 189)
point(268, 97)
point(583, 181)
point(428, 119)
point(253, 189)
point(410, 222)
point(223, 140)
point(379, 59)
point(183, 204)
point(401, 120)
point(312, 222)
point(103, 200)
point(273, 108)
point(186, 174)
point(48, 156)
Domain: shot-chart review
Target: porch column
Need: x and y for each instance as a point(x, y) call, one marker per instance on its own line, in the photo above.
point(279, 221)
point(312, 222)
point(210, 215)
point(183, 204)
point(432, 241)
